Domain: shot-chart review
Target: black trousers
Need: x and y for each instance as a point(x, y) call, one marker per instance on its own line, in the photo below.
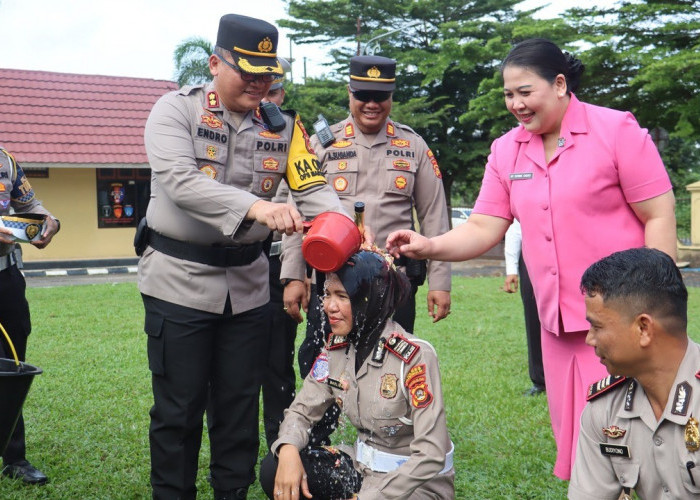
point(199, 361)
point(15, 318)
point(279, 379)
point(532, 327)
point(316, 334)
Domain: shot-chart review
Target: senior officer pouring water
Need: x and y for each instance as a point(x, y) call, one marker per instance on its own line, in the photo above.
point(216, 161)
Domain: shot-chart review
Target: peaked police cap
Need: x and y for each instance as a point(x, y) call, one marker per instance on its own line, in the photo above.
point(372, 73)
point(252, 42)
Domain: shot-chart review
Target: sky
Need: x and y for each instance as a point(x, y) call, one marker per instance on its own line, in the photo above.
point(137, 38)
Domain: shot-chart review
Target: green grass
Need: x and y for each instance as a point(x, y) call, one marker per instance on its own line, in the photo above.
point(87, 414)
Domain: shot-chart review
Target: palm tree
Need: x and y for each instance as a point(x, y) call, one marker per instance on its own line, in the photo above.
point(192, 61)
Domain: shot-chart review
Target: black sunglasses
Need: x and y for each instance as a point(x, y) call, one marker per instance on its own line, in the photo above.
point(370, 95)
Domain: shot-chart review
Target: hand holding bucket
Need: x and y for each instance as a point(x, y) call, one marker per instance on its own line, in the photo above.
point(331, 238)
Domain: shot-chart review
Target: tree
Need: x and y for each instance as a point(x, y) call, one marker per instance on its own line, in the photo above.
point(192, 61)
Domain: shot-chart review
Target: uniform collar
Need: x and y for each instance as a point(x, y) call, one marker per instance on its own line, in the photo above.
point(682, 398)
point(212, 104)
point(575, 121)
point(350, 131)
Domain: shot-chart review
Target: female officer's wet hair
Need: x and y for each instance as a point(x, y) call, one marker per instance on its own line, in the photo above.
point(376, 289)
point(543, 57)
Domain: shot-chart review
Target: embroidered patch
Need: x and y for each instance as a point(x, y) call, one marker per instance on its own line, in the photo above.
point(340, 184)
point(269, 135)
point(270, 164)
point(341, 144)
point(604, 385)
point(212, 121)
point(401, 143)
point(208, 170)
point(349, 130)
point(681, 400)
point(401, 164)
point(389, 386)
point(390, 129)
point(342, 165)
point(402, 347)
point(267, 184)
point(614, 432)
point(400, 182)
point(417, 384)
point(211, 152)
point(319, 370)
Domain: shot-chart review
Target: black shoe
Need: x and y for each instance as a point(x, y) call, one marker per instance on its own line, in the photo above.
point(26, 472)
point(535, 390)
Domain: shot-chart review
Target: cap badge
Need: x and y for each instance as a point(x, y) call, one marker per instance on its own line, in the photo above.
point(692, 435)
point(265, 45)
point(374, 72)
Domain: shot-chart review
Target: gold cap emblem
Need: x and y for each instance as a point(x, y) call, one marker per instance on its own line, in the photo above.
point(32, 230)
point(265, 45)
point(374, 72)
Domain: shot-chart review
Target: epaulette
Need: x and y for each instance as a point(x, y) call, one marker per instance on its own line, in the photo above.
point(604, 385)
point(401, 347)
point(336, 342)
point(403, 126)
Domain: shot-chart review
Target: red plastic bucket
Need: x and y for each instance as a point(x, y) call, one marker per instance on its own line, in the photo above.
point(330, 241)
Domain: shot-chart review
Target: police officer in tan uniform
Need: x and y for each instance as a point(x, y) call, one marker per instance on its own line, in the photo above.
point(639, 430)
point(387, 383)
point(17, 195)
point(390, 168)
point(216, 161)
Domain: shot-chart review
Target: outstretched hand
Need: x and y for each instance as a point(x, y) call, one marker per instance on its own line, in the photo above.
point(408, 243)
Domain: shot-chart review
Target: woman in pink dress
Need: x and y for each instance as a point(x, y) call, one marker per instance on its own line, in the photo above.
point(584, 182)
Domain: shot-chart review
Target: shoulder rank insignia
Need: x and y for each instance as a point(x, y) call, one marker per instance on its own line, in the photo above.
point(402, 347)
point(603, 386)
point(379, 351)
point(336, 342)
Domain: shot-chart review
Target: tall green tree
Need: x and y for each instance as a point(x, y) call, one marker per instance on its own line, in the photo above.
point(192, 61)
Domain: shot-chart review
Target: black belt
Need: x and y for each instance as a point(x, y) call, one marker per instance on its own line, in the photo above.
point(212, 255)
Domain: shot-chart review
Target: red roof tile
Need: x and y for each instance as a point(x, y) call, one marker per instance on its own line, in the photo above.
point(58, 118)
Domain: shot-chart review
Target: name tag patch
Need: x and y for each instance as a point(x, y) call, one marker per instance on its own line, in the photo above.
point(614, 450)
point(520, 176)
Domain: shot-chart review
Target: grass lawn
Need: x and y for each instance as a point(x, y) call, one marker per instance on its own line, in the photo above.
point(87, 414)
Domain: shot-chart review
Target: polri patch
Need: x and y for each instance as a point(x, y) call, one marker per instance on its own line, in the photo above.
point(614, 450)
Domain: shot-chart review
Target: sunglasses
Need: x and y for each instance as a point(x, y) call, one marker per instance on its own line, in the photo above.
point(370, 95)
point(247, 77)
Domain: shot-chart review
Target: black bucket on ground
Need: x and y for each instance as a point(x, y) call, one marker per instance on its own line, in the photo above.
point(14, 387)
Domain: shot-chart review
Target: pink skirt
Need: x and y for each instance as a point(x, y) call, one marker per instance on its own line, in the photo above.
point(570, 367)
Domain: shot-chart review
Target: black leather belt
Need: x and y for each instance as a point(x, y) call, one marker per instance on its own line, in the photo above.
point(212, 255)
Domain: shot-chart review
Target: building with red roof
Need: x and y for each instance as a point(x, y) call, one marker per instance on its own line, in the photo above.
point(79, 139)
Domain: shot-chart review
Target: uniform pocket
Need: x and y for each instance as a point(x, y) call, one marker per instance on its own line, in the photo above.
point(690, 477)
point(154, 329)
point(400, 175)
point(627, 472)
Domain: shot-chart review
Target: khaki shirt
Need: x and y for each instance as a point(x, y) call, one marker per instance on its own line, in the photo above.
point(640, 452)
point(390, 175)
point(207, 171)
point(16, 193)
point(388, 416)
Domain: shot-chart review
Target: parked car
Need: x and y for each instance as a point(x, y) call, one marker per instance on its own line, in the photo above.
point(460, 215)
